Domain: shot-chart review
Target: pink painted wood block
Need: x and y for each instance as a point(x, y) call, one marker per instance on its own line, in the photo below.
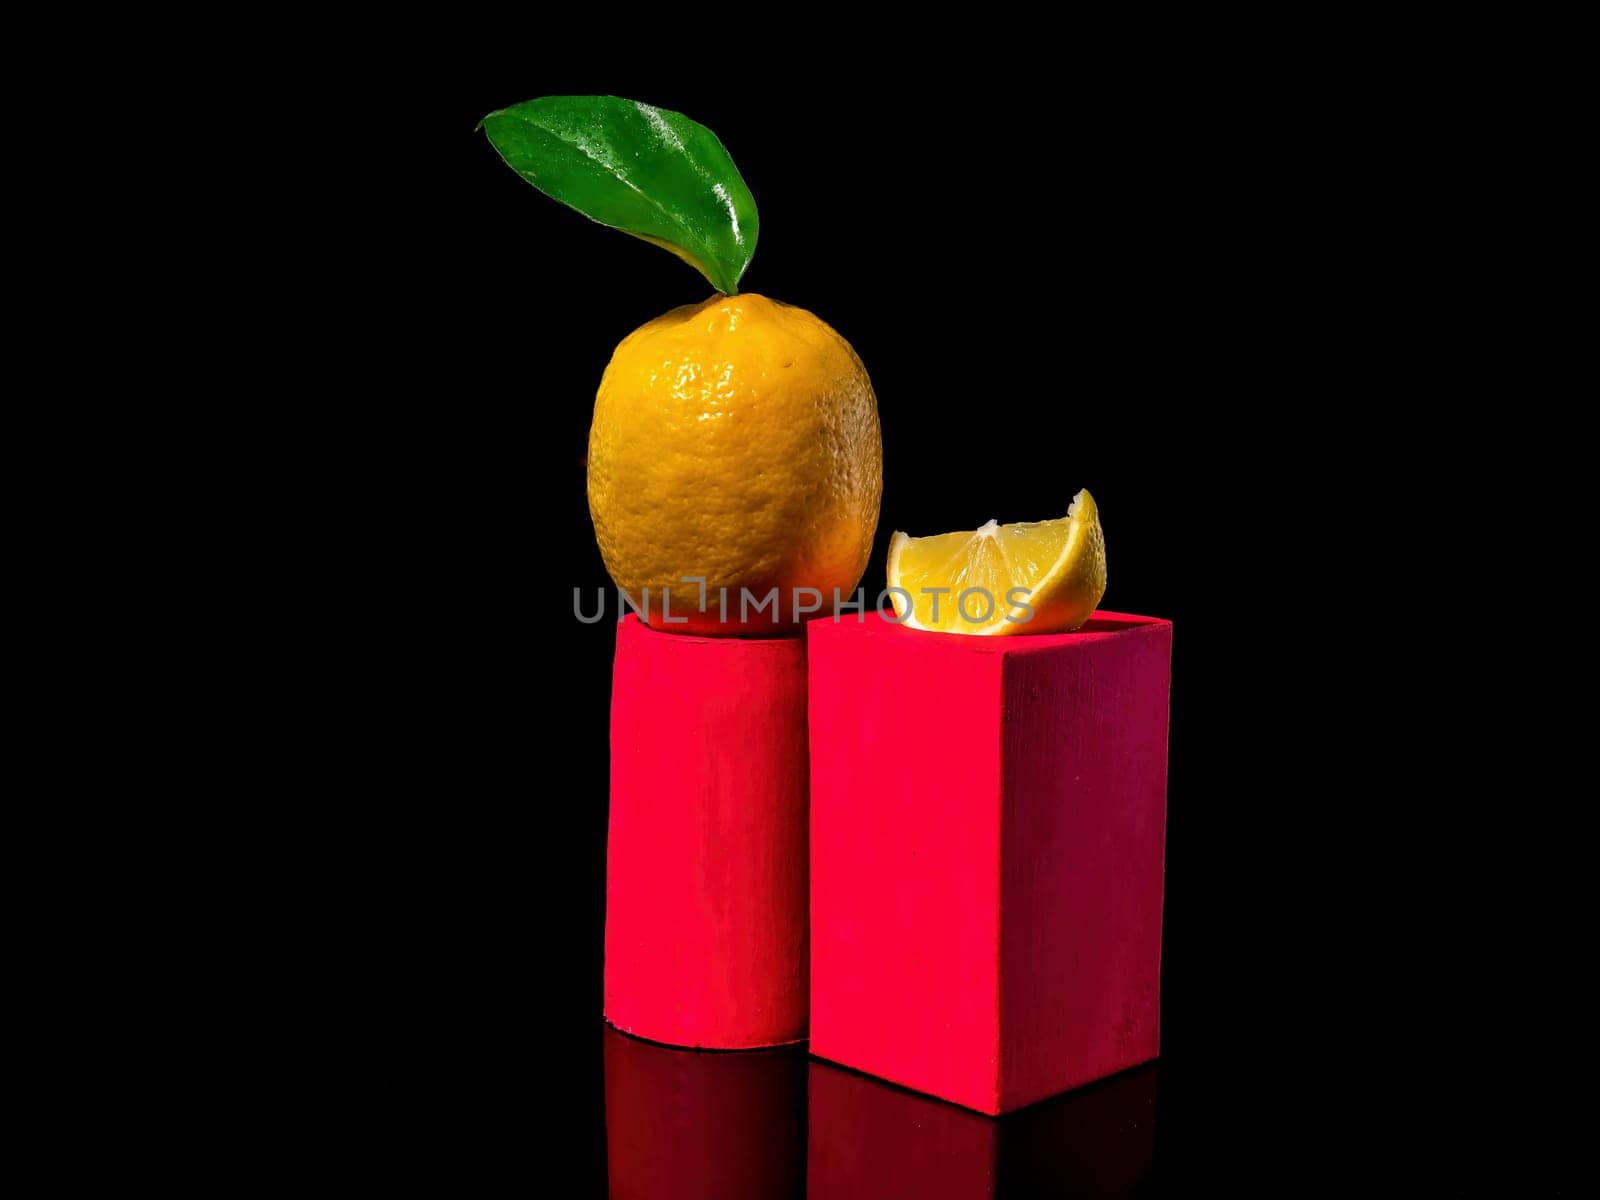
point(988, 819)
point(706, 854)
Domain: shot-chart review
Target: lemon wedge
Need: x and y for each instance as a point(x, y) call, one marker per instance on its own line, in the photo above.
point(1000, 580)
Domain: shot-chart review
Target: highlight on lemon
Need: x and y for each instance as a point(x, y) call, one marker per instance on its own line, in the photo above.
point(1002, 580)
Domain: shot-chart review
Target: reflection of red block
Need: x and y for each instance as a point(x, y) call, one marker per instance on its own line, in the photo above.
point(706, 855)
point(682, 1125)
point(987, 828)
point(870, 1141)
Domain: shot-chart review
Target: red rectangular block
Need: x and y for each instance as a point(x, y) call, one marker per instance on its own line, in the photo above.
point(988, 820)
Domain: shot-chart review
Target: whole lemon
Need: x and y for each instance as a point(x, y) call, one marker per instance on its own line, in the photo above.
point(735, 441)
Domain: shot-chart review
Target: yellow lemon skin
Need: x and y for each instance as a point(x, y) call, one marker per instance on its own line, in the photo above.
point(735, 441)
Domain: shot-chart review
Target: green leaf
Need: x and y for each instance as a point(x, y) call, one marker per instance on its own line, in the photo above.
point(643, 170)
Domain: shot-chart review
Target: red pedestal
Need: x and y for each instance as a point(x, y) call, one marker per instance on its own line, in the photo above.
point(870, 1141)
point(706, 857)
point(987, 828)
point(682, 1125)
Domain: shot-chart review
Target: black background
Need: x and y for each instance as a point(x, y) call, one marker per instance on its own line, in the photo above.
point(1060, 286)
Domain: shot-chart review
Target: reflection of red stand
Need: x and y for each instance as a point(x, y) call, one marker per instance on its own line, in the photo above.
point(868, 1141)
point(706, 857)
point(688, 1126)
point(987, 830)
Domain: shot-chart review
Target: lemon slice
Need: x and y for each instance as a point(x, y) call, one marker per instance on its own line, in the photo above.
point(1033, 577)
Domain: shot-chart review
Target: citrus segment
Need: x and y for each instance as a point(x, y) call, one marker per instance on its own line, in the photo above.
point(999, 580)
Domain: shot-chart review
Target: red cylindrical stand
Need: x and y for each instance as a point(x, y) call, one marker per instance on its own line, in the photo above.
point(706, 864)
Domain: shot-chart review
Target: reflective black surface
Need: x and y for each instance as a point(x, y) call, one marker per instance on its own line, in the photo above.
point(775, 1124)
point(685, 1124)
